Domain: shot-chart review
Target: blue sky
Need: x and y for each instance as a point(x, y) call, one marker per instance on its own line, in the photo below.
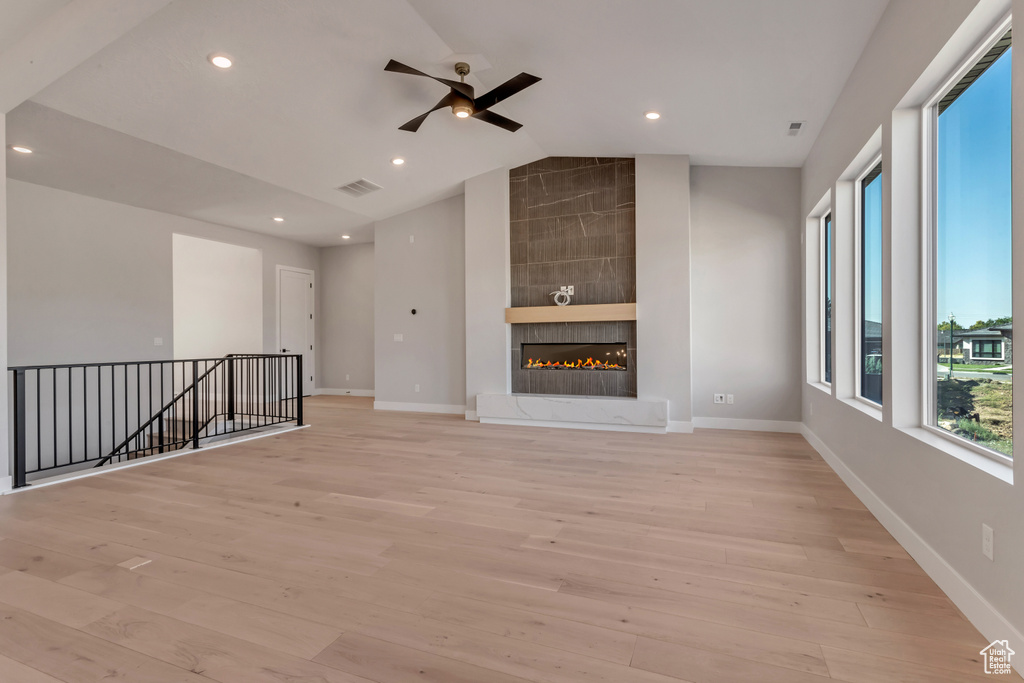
point(872, 246)
point(974, 266)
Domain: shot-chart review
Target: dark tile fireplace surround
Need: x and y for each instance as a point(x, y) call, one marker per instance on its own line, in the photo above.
point(573, 223)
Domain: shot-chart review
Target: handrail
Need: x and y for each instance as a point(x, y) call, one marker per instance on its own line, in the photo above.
point(106, 364)
point(75, 415)
point(160, 412)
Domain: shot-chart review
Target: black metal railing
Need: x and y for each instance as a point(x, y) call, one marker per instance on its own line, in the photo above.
point(67, 417)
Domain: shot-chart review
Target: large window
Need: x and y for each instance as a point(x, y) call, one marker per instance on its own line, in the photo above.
point(871, 285)
point(826, 327)
point(987, 348)
point(972, 319)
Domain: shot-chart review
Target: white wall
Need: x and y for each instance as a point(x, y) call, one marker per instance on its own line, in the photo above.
point(663, 284)
point(426, 274)
point(488, 369)
point(346, 291)
point(91, 280)
point(5, 482)
point(934, 503)
point(218, 298)
point(745, 271)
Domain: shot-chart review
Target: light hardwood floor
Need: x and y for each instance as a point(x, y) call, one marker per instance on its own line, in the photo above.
point(396, 547)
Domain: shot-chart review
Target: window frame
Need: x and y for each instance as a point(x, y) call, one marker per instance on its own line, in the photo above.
point(858, 284)
point(929, 242)
point(826, 227)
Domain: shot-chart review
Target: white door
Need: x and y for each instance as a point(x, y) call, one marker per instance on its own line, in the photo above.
point(295, 319)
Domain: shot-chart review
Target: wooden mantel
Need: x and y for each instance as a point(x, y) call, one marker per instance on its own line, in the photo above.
point(571, 313)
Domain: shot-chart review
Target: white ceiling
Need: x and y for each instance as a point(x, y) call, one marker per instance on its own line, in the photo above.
point(21, 16)
point(308, 107)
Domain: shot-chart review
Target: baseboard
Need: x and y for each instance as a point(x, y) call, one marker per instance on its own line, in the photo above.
point(978, 610)
point(438, 408)
point(748, 425)
point(141, 462)
point(676, 427)
point(597, 426)
point(343, 392)
point(471, 415)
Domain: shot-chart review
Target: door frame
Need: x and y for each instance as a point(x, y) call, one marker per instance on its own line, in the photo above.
point(312, 321)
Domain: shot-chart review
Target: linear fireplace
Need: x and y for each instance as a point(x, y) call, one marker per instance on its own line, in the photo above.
point(603, 357)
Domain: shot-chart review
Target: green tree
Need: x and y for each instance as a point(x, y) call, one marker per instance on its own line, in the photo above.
point(991, 322)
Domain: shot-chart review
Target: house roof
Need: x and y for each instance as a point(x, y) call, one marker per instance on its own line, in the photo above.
point(993, 332)
point(307, 106)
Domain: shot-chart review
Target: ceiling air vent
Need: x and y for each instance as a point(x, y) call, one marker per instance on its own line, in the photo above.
point(360, 187)
point(795, 127)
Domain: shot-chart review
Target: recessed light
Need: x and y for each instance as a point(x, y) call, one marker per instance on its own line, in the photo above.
point(346, 237)
point(20, 149)
point(652, 115)
point(398, 161)
point(220, 61)
point(278, 219)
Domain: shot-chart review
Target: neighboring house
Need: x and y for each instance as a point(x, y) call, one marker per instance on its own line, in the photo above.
point(992, 345)
point(943, 347)
point(871, 344)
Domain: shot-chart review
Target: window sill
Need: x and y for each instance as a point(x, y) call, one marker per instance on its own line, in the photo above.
point(822, 386)
point(865, 406)
point(1001, 468)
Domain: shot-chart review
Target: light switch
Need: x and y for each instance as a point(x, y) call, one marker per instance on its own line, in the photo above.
point(398, 337)
point(158, 341)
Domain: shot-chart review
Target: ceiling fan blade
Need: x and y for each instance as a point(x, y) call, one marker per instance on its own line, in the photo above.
point(463, 88)
point(498, 120)
point(414, 125)
point(505, 90)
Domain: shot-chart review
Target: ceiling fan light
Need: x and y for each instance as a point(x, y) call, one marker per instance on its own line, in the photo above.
point(463, 111)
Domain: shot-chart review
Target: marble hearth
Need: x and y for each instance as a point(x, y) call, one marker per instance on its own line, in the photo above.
point(573, 411)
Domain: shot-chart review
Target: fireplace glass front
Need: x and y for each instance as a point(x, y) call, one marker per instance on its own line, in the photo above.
point(595, 357)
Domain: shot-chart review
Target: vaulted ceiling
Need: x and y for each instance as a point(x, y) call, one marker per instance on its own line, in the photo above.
point(307, 107)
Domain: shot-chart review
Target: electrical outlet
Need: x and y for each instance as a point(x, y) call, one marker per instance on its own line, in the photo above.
point(348, 377)
point(417, 388)
point(412, 239)
point(729, 399)
point(158, 341)
point(398, 337)
point(987, 541)
point(571, 290)
point(719, 398)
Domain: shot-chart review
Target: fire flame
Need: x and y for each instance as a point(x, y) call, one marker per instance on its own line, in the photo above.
point(589, 364)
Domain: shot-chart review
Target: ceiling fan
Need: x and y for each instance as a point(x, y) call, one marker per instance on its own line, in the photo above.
point(461, 99)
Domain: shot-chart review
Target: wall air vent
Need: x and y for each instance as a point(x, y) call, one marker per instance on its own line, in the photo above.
point(359, 188)
point(795, 127)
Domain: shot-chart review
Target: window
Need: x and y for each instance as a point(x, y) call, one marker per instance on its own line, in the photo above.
point(826, 327)
point(871, 285)
point(987, 348)
point(971, 324)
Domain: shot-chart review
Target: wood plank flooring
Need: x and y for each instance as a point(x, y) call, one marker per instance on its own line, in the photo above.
point(395, 547)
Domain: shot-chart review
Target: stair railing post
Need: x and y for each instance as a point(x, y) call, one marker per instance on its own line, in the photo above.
point(298, 387)
point(160, 427)
point(231, 388)
point(195, 404)
point(20, 454)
